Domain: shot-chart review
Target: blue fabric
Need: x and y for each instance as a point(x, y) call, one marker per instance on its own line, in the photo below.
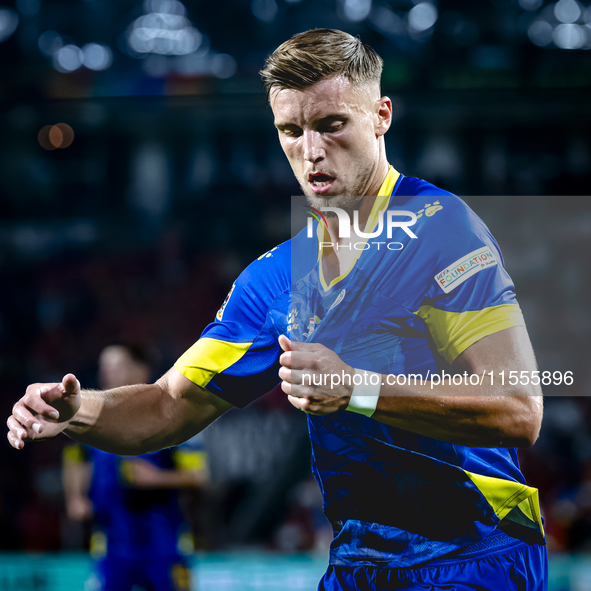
point(138, 524)
point(524, 568)
point(394, 498)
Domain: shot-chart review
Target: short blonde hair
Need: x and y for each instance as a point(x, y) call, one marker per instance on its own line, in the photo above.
point(309, 57)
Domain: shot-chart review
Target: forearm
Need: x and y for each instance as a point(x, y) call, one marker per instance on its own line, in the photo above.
point(146, 417)
point(493, 413)
point(124, 421)
point(475, 416)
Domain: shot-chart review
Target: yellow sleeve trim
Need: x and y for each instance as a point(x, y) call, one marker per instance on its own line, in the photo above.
point(190, 460)
point(208, 357)
point(505, 495)
point(454, 332)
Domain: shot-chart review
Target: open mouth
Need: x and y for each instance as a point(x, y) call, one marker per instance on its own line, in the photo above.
point(320, 180)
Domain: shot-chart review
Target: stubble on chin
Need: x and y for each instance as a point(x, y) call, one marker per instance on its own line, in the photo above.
point(346, 202)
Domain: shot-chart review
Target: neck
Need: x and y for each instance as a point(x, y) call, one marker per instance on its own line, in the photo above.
point(363, 207)
point(377, 181)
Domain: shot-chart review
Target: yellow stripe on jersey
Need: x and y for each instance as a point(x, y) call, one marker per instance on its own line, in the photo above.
point(454, 332)
point(504, 495)
point(379, 205)
point(389, 182)
point(208, 357)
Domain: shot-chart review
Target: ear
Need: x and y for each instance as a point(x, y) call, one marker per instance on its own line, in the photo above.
point(383, 111)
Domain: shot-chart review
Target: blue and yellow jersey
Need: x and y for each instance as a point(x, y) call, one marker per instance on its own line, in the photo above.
point(137, 523)
point(407, 305)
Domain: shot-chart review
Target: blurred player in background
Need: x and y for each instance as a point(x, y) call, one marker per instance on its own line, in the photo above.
point(140, 538)
point(420, 481)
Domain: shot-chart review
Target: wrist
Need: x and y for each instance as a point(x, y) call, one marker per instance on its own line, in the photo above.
point(366, 392)
point(86, 414)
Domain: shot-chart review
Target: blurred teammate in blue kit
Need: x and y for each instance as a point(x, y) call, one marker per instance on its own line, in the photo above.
point(140, 539)
point(421, 483)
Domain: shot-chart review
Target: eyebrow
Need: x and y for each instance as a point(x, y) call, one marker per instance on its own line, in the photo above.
point(317, 122)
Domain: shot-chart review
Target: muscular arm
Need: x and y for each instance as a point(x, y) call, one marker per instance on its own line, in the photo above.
point(126, 421)
point(478, 416)
point(486, 415)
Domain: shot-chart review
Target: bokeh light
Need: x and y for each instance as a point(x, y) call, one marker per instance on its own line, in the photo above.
point(60, 136)
point(8, 23)
point(96, 57)
point(165, 6)
point(223, 65)
point(49, 42)
point(422, 17)
point(569, 36)
point(540, 33)
point(530, 4)
point(264, 10)
point(357, 10)
point(567, 11)
point(68, 59)
point(166, 31)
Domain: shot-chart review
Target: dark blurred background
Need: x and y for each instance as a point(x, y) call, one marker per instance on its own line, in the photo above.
point(140, 172)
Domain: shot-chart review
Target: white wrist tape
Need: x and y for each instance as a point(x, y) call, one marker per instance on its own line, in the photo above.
point(366, 392)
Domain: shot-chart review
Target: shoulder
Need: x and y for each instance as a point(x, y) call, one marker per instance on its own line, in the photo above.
point(256, 287)
point(277, 267)
point(441, 215)
point(412, 186)
point(269, 266)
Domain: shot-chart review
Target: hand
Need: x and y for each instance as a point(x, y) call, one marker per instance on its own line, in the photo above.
point(324, 368)
point(139, 473)
point(44, 411)
point(80, 509)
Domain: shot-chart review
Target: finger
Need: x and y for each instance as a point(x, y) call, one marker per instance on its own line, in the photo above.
point(48, 392)
point(16, 428)
point(297, 346)
point(295, 376)
point(299, 360)
point(34, 403)
point(299, 403)
point(51, 393)
point(297, 390)
point(288, 345)
point(284, 343)
point(70, 384)
point(27, 419)
point(15, 441)
point(285, 359)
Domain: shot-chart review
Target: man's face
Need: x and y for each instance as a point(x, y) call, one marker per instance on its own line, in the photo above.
point(117, 368)
point(330, 134)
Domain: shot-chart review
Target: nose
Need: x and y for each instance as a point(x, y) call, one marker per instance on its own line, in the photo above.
point(313, 146)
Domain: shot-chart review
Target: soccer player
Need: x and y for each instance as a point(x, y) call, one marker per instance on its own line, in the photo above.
point(140, 538)
point(420, 480)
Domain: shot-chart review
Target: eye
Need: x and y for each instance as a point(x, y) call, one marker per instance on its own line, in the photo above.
point(291, 131)
point(331, 127)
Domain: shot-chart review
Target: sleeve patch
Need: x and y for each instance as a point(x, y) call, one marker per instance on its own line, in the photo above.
point(464, 268)
point(220, 313)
